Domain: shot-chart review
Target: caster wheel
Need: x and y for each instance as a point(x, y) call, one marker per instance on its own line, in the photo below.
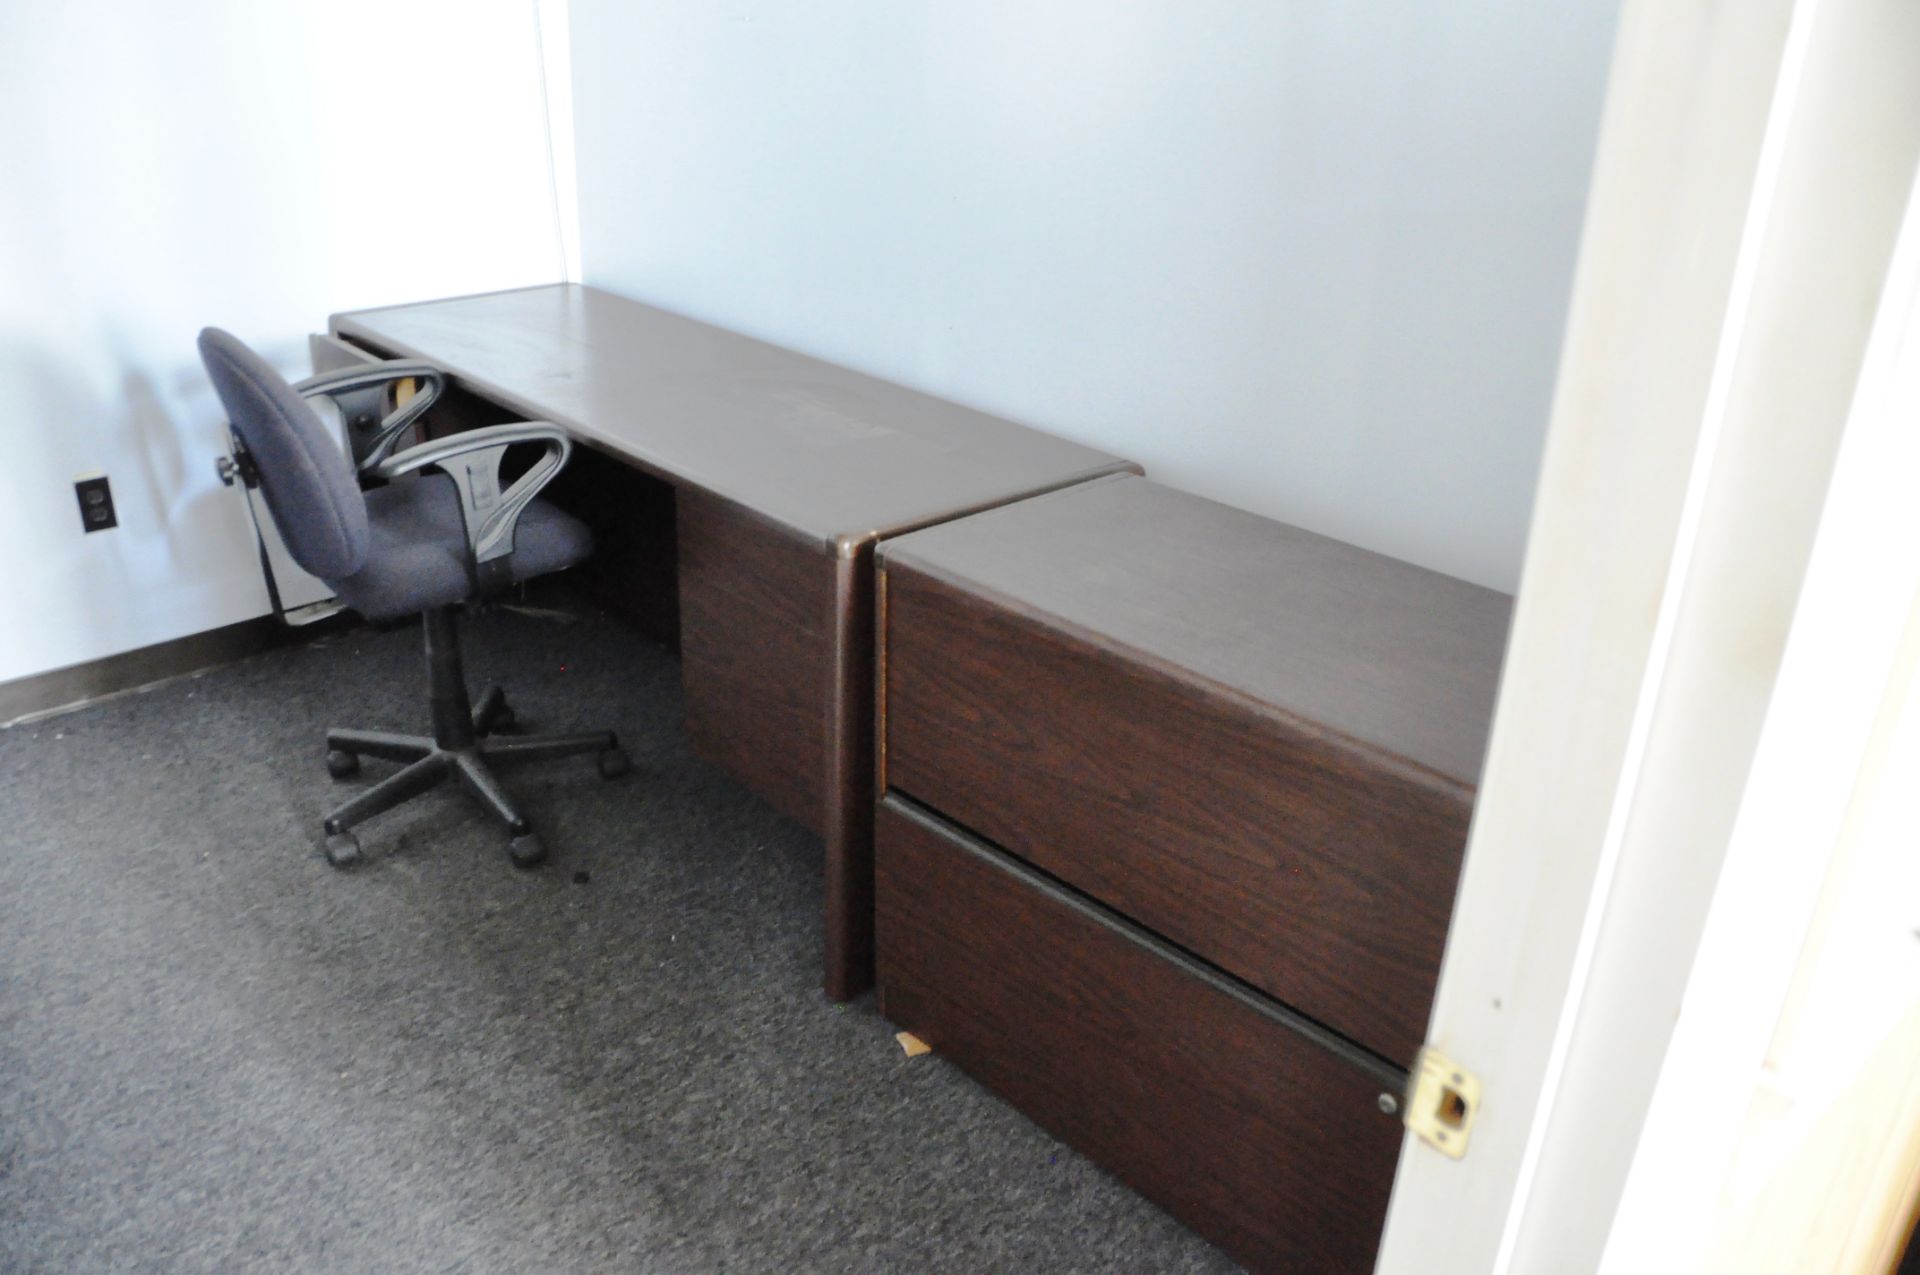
point(613, 763)
point(343, 849)
point(527, 850)
point(505, 722)
point(342, 765)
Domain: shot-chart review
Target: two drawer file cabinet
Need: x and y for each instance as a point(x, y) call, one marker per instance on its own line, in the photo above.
point(1171, 806)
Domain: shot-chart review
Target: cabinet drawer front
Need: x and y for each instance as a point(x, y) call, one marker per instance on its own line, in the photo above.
point(1256, 1134)
point(1296, 861)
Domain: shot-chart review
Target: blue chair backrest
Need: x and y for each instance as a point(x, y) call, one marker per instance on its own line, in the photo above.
point(307, 479)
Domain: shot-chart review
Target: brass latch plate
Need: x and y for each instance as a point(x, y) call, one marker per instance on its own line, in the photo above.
point(1444, 1102)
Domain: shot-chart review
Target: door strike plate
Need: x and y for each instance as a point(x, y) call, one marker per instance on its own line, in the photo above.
point(1444, 1102)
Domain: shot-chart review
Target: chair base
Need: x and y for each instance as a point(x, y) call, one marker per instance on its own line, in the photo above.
point(464, 746)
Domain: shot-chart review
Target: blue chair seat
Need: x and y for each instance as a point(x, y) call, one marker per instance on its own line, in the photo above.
point(417, 550)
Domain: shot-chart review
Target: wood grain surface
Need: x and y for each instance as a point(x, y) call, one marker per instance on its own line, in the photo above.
point(833, 455)
point(1259, 823)
point(756, 651)
point(1399, 660)
point(1258, 1137)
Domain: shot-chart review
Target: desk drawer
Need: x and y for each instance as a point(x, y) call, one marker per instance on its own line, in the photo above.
point(1273, 850)
point(1199, 1094)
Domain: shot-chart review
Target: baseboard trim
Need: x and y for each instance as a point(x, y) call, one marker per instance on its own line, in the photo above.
point(60, 690)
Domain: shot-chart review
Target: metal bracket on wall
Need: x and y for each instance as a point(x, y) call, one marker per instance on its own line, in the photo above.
point(1443, 1100)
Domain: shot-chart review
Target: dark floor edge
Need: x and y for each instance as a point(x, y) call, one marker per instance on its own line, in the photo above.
point(61, 690)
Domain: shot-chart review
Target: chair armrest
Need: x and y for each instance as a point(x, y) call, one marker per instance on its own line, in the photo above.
point(359, 393)
point(472, 460)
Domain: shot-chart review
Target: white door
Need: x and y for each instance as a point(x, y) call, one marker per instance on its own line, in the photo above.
point(1690, 695)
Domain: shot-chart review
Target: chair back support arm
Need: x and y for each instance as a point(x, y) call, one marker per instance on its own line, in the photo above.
point(472, 459)
point(360, 392)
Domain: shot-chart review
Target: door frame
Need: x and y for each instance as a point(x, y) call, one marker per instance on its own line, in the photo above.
point(1754, 170)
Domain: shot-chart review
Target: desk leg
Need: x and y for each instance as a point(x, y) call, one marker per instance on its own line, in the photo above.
point(849, 807)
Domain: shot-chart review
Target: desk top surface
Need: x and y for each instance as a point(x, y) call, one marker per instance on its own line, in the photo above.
point(834, 455)
point(1392, 656)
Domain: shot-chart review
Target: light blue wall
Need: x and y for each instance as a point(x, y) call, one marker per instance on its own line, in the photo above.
point(256, 166)
point(1311, 259)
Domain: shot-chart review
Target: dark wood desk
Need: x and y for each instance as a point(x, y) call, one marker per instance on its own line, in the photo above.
point(1173, 800)
point(783, 472)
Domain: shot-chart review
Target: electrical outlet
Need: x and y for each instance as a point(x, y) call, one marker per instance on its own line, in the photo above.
point(96, 503)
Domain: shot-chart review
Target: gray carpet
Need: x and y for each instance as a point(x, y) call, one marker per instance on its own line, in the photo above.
point(216, 1054)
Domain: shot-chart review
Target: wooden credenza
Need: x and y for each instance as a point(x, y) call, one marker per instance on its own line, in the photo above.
point(1171, 805)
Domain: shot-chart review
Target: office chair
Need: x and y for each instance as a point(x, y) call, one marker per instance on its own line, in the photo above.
point(421, 543)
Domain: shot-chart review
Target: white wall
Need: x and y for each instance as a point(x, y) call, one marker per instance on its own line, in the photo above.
point(168, 166)
point(1309, 259)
